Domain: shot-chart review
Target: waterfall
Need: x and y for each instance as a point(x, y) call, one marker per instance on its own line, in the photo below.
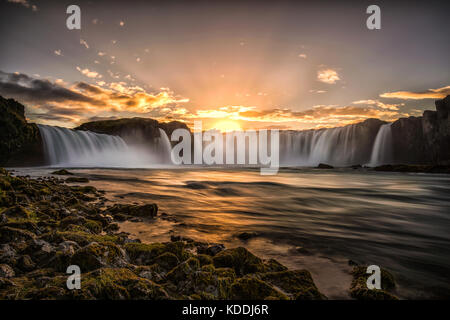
point(382, 148)
point(163, 146)
point(76, 148)
point(337, 146)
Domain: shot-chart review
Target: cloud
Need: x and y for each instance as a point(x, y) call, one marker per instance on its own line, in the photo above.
point(89, 73)
point(101, 54)
point(25, 3)
point(317, 91)
point(302, 55)
point(380, 104)
point(23, 87)
point(60, 103)
point(84, 43)
point(329, 76)
point(427, 94)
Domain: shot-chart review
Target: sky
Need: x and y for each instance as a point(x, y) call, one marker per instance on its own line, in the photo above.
point(232, 64)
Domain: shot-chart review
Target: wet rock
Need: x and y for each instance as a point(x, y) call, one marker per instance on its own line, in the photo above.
point(298, 284)
point(77, 180)
point(247, 235)
point(142, 254)
point(204, 259)
point(174, 238)
point(324, 166)
point(6, 271)
point(95, 256)
point(9, 234)
point(254, 289)
point(111, 228)
point(62, 172)
point(210, 250)
point(414, 168)
point(25, 263)
point(240, 259)
point(143, 211)
point(360, 291)
point(166, 261)
point(183, 270)
point(273, 265)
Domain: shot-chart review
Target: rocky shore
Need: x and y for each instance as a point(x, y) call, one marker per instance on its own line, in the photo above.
point(47, 225)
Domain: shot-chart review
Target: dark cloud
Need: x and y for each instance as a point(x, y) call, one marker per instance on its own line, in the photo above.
point(22, 87)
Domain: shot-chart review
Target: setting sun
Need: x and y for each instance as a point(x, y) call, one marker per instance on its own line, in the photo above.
point(226, 126)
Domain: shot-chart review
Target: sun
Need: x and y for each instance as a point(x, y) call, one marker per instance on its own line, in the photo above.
point(227, 126)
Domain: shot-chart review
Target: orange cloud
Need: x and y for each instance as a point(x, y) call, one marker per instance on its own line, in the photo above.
point(427, 94)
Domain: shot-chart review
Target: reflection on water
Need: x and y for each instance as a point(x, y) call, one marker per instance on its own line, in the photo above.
point(397, 221)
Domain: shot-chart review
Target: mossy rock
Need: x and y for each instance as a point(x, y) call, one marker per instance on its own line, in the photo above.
point(166, 261)
point(183, 270)
point(84, 189)
point(80, 237)
point(359, 290)
point(204, 259)
point(9, 234)
point(240, 259)
point(250, 288)
point(226, 273)
point(77, 180)
point(95, 256)
point(143, 253)
point(144, 211)
point(93, 226)
point(297, 284)
point(62, 172)
point(273, 265)
point(119, 284)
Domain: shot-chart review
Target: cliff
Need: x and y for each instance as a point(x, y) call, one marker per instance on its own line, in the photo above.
point(20, 142)
point(133, 130)
point(424, 139)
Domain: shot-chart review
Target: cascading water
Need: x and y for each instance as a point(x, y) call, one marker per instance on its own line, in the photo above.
point(76, 148)
point(382, 148)
point(336, 146)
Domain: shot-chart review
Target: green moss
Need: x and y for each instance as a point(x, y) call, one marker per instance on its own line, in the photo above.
point(226, 273)
point(204, 259)
point(183, 270)
point(273, 265)
point(96, 255)
point(93, 226)
point(254, 289)
point(143, 253)
point(167, 261)
point(240, 259)
point(80, 237)
point(298, 284)
point(359, 290)
point(119, 284)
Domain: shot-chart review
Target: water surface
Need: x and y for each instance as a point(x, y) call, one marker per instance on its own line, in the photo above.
point(305, 218)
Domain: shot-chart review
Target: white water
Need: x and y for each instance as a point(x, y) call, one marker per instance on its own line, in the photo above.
point(382, 148)
point(340, 146)
point(76, 148)
point(336, 146)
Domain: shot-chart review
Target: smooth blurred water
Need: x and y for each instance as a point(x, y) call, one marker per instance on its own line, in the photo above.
point(398, 221)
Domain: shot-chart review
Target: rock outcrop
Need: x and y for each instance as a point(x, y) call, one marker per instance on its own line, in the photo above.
point(424, 139)
point(133, 130)
point(20, 142)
